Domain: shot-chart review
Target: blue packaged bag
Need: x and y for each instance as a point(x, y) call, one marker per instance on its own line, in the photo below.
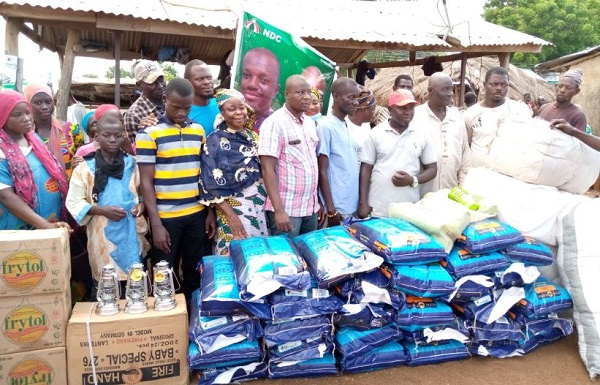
point(496, 349)
point(291, 304)
point(458, 327)
point(351, 342)
point(419, 313)
point(278, 333)
point(461, 262)
point(531, 252)
point(212, 333)
point(310, 368)
point(422, 280)
point(333, 256)
point(365, 316)
point(376, 277)
point(503, 328)
point(471, 287)
point(516, 275)
point(543, 331)
point(396, 240)
point(233, 355)
point(264, 264)
point(488, 235)
point(435, 352)
point(542, 298)
point(252, 371)
point(302, 350)
point(386, 356)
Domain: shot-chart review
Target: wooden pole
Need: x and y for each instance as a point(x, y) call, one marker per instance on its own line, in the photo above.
point(117, 44)
point(504, 59)
point(463, 70)
point(66, 74)
point(11, 38)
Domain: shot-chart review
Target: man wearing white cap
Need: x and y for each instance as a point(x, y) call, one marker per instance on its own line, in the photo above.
point(567, 87)
point(396, 158)
point(150, 79)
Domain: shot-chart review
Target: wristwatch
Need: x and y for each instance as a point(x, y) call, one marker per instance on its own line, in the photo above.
point(415, 182)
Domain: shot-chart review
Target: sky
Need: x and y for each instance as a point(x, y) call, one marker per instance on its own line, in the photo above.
point(50, 71)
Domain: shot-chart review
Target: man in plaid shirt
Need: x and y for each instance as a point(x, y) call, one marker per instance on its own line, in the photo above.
point(151, 80)
point(288, 154)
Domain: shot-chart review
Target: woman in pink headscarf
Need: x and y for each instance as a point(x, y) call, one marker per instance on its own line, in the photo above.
point(33, 185)
point(62, 139)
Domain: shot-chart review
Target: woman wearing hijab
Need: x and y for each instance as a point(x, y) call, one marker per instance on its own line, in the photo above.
point(231, 176)
point(33, 185)
point(62, 139)
point(103, 196)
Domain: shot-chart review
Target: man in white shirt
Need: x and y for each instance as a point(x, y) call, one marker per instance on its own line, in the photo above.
point(358, 122)
point(482, 118)
point(396, 158)
point(446, 127)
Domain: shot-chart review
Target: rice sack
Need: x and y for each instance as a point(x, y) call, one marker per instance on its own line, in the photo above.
point(289, 304)
point(419, 313)
point(310, 368)
point(237, 354)
point(461, 262)
point(458, 330)
point(365, 316)
point(396, 240)
point(422, 280)
point(333, 256)
point(386, 356)
point(252, 371)
point(435, 352)
point(531, 252)
point(264, 264)
point(542, 298)
point(350, 342)
point(543, 331)
point(278, 333)
point(488, 235)
point(471, 287)
point(302, 350)
point(496, 349)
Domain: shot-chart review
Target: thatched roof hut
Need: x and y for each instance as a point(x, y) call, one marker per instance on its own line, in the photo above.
point(520, 81)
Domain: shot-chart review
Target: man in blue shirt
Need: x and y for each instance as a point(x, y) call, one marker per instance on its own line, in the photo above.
point(337, 157)
point(204, 109)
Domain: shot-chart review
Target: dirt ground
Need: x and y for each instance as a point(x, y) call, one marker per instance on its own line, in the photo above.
point(555, 364)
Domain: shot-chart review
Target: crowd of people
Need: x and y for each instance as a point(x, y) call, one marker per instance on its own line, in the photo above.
point(185, 170)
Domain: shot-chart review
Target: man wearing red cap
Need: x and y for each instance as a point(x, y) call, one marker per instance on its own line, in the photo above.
point(395, 159)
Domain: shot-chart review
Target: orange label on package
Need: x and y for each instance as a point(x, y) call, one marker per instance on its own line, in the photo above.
point(23, 270)
point(31, 371)
point(25, 325)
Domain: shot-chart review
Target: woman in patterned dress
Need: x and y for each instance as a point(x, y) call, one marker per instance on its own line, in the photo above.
point(231, 178)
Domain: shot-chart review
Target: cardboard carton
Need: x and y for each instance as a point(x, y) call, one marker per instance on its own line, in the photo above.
point(46, 366)
point(148, 348)
point(34, 262)
point(33, 322)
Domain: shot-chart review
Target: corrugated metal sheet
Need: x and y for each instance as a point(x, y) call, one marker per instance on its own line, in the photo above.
point(557, 63)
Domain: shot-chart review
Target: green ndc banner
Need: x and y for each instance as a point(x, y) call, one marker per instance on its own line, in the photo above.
point(266, 56)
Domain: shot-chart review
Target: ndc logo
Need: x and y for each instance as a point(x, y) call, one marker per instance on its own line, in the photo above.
point(253, 26)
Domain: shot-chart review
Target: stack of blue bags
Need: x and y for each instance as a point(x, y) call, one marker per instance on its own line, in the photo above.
point(225, 334)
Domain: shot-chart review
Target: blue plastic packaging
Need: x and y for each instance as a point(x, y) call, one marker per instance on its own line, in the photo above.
point(296, 330)
point(252, 371)
point(435, 352)
point(422, 280)
point(351, 342)
point(233, 355)
point(531, 252)
point(461, 262)
point(386, 356)
point(310, 368)
point(488, 235)
point(420, 313)
point(542, 298)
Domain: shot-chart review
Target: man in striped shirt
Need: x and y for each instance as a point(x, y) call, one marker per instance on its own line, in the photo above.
point(288, 154)
point(168, 156)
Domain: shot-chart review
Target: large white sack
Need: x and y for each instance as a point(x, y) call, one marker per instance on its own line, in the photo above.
point(578, 260)
point(532, 209)
point(529, 150)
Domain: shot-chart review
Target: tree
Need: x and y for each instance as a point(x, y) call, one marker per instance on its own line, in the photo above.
point(110, 73)
point(169, 70)
point(571, 25)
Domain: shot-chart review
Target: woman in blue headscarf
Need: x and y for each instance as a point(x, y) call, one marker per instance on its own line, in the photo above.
point(231, 178)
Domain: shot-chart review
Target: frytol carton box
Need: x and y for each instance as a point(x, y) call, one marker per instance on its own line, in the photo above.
point(45, 366)
point(34, 322)
point(148, 348)
point(34, 262)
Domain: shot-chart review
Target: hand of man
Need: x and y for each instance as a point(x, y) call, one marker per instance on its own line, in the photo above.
point(562, 125)
point(401, 179)
point(114, 213)
point(161, 238)
point(282, 220)
point(75, 161)
point(138, 209)
point(364, 211)
point(148, 121)
point(211, 223)
point(237, 228)
point(333, 219)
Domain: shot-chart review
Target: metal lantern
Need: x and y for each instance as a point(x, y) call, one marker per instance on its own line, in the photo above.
point(164, 287)
point(136, 292)
point(108, 293)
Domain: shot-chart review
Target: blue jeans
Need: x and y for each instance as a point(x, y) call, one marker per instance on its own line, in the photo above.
point(300, 225)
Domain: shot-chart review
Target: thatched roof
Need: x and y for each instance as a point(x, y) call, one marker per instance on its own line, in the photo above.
point(520, 81)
